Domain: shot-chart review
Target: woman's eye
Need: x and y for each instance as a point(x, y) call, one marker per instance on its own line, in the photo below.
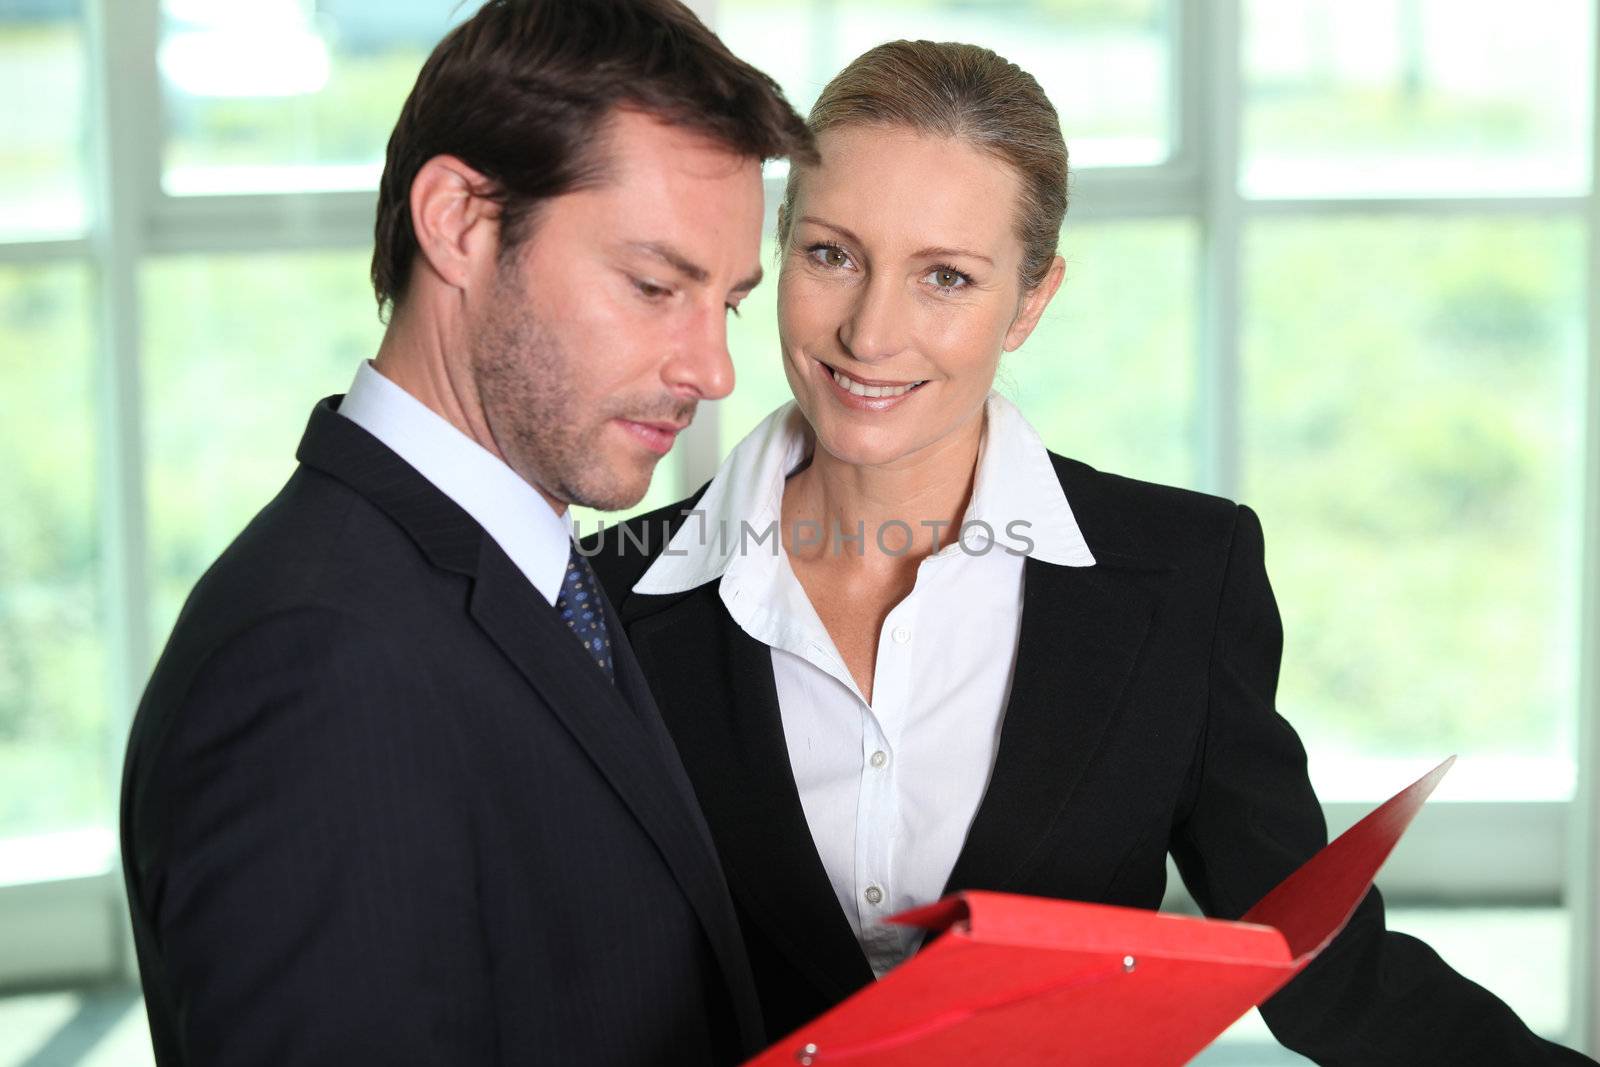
point(830, 255)
point(945, 278)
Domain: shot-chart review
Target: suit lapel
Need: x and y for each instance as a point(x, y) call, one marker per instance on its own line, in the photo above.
point(630, 754)
point(617, 726)
point(1082, 631)
point(1081, 634)
point(731, 739)
point(635, 691)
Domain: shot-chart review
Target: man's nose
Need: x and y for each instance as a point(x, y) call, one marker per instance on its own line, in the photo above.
point(703, 367)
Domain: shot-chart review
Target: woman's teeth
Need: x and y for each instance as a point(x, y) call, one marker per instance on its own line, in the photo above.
point(850, 385)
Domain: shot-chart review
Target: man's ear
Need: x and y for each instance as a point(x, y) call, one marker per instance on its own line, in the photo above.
point(1033, 304)
point(456, 223)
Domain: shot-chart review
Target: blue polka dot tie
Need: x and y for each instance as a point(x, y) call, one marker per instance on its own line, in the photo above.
point(578, 605)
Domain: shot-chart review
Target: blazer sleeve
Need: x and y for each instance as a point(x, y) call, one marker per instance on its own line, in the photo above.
point(303, 858)
point(1374, 997)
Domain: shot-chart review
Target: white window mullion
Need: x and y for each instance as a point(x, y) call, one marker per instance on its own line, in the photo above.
point(261, 222)
point(1215, 83)
point(66, 250)
point(125, 132)
point(1584, 882)
point(1101, 194)
point(1309, 207)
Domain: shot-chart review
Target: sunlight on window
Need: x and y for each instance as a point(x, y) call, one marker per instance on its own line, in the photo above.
point(1416, 97)
point(43, 79)
point(1412, 440)
point(285, 96)
point(1105, 64)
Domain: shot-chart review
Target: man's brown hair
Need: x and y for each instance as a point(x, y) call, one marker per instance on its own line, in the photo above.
point(521, 93)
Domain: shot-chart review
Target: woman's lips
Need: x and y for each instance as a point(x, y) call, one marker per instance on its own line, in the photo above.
point(848, 390)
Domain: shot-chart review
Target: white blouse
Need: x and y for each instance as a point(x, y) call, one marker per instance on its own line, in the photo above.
point(889, 787)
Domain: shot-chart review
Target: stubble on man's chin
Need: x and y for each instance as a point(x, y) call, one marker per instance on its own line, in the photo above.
point(525, 382)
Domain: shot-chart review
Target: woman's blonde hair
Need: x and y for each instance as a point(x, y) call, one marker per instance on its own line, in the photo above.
point(966, 92)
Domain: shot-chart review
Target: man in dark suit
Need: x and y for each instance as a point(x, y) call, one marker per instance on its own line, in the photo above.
point(397, 791)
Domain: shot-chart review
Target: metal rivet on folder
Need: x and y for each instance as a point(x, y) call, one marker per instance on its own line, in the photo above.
point(1128, 964)
point(806, 1054)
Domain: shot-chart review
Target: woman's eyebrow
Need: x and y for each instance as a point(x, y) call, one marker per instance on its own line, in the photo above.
point(836, 228)
point(952, 253)
point(936, 250)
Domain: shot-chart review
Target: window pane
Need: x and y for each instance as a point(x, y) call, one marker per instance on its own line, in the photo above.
point(237, 350)
point(287, 95)
point(55, 757)
point(42, 126)
point(1356, 97)
point(1105, 64)
point(1413, 428)
point(1520, 954)
point(1107, 377)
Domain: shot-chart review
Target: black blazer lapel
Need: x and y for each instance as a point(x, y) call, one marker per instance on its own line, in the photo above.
point(716, 687)
point(1082, 631)
point(618, 736)
point(630, 754)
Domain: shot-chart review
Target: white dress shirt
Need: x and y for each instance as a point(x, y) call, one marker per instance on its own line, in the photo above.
point(889, 787)
point(510, 510)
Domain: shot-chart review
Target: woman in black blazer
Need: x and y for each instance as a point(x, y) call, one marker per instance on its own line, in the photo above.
point(874, 715)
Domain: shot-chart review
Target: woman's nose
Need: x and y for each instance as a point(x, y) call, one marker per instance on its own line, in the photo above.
point(876, 326)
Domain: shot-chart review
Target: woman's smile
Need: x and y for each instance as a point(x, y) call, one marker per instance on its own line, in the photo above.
point(866, 394)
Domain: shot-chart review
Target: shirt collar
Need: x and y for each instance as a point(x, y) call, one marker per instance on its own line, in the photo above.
point(1015, 488)
point(512, 512)
point(1017, 483)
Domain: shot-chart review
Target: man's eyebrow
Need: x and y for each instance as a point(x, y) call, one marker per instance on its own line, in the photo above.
point(688, 267)
point(937, 250)
point(749, 283)
point(672, 258)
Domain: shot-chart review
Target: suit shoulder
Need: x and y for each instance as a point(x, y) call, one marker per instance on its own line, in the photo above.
point(319, 589)
point(621, 553)
point(1127, 516)
point(318, 546)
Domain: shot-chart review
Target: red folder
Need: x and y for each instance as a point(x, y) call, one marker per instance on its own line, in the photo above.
point(1021, 980)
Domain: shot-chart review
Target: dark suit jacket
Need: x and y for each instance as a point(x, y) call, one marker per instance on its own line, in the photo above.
point(1140, 722)
point(381, 808)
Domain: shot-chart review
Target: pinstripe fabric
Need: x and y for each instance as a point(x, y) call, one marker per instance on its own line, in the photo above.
point(378, 807)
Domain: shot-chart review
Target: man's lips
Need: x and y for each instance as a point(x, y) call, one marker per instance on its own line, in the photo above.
point(657, 435)
point(660, 424)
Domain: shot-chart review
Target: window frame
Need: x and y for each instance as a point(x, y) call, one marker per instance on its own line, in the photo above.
point(1458, 851)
